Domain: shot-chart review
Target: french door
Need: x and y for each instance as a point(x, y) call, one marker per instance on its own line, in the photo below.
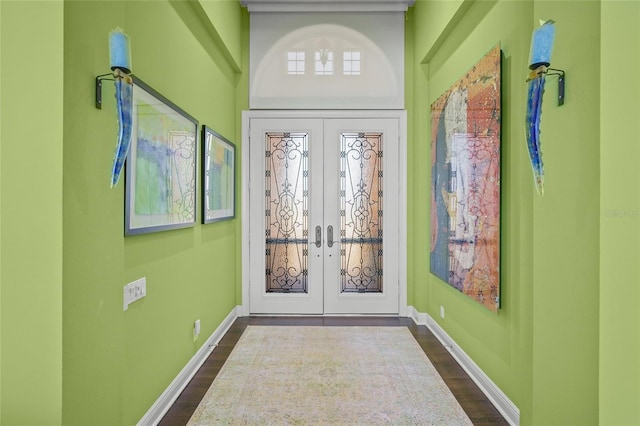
point(324, 215)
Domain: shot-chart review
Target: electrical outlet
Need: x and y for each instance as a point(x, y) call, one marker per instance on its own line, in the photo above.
point(441, 311)
point(196, 328)
point(135, 290)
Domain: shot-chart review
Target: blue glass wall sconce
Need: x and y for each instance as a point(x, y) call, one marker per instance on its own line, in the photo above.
point(120, 57)
point(539, 66)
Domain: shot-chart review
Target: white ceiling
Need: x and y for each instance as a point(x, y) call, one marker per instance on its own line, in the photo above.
point(327, 5)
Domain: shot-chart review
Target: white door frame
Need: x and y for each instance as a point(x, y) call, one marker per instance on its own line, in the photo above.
point(400, 115)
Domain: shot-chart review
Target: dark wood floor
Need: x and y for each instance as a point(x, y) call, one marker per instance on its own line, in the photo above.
point(472, 400)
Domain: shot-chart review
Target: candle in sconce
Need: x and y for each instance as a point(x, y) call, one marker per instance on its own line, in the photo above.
point(119, 51)
point(542, 45)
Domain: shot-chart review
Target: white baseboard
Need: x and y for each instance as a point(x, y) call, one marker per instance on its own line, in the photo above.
point(418, 318)
point(169, 396)
point(503, 404)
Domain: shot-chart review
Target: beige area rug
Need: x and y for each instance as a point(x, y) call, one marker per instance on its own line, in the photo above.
point(328, 375)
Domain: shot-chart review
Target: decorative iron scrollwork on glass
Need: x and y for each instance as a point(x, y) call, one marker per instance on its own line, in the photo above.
point(286, 212)
point(361, 178)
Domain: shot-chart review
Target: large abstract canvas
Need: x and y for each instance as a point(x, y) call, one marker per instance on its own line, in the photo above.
point(465, 176)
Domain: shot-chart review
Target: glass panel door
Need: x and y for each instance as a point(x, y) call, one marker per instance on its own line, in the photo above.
point(286, 268)
point(286, 203)
point(361, 201)
point(362, 275)
point(324, 216)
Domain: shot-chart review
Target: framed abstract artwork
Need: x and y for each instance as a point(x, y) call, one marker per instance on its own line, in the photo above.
point(465, 177)
point(218, 177)
point(160, 190)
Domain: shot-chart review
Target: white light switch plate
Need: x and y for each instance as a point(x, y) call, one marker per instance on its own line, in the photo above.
point(135, 290)
point(196, 328)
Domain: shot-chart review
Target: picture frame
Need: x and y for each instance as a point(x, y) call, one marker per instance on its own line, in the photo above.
point(218, 177)
point(160, 173)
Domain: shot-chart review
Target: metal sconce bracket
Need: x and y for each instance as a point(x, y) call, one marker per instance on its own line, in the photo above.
point(561, 83)
point(99, 87)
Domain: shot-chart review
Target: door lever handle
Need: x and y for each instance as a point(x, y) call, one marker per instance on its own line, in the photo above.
point(329, 236)
point(318, 236)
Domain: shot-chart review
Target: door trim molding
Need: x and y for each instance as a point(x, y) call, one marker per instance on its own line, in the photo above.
point(400, 115)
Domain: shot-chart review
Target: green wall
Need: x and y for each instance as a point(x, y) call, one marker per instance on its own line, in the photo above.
point(242, 104)
point(499, 343)
point(541, 349)
point(117, 363)
point(63, 254)
point(1, 208)
point(566, 228)
point(223, 16)
point(31, 145)
point(619, 214)
point(409, 100)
